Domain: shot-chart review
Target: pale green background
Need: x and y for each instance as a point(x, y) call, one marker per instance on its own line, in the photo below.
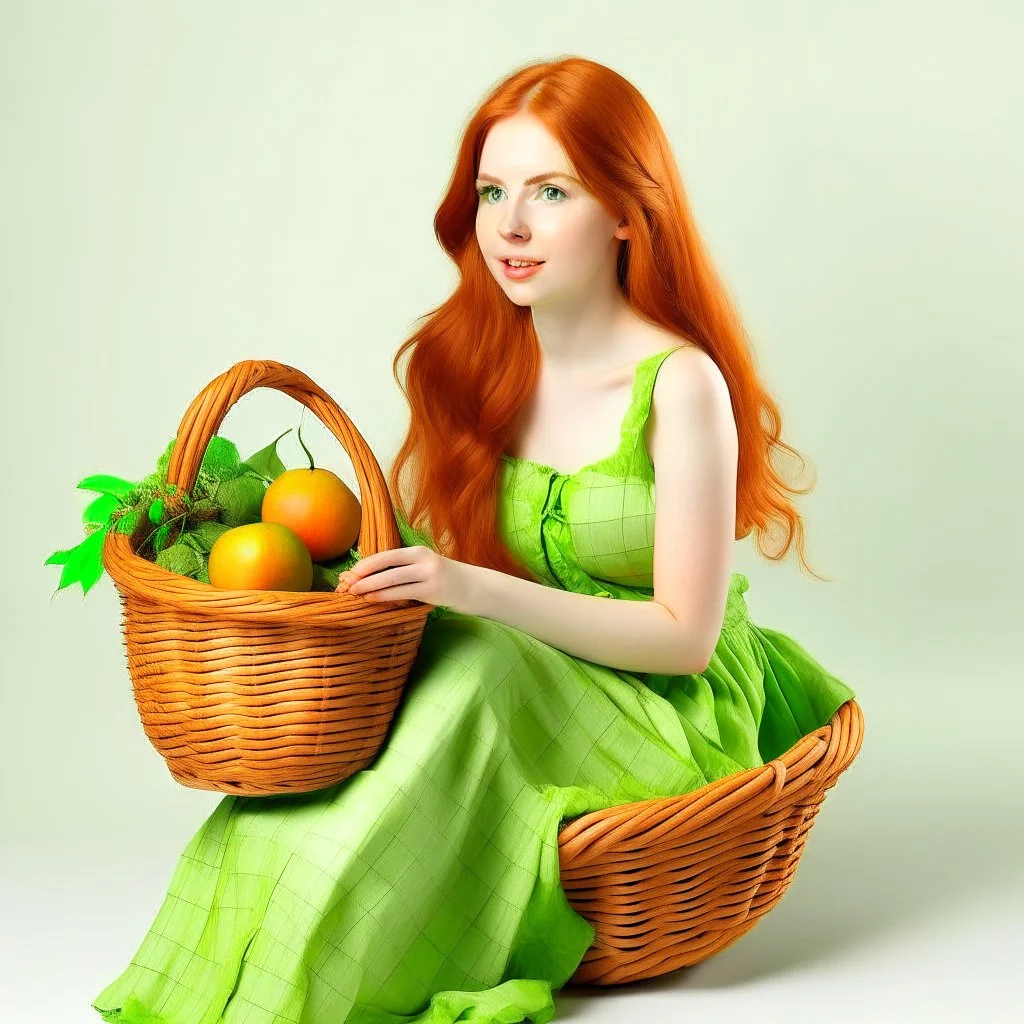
point(184, 185)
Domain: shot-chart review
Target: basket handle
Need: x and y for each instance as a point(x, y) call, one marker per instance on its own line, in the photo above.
point(378, 530)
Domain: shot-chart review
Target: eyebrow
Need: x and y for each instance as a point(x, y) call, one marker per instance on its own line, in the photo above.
point(534, 180)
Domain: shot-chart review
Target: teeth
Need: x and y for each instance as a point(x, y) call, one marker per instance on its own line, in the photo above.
point(521, 263)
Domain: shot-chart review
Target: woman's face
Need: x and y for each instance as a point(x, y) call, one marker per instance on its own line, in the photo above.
point(552, 218)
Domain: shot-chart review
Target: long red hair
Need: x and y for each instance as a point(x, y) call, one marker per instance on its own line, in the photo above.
point(475, 360)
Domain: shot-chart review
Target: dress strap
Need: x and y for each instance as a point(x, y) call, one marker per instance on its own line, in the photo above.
point(643, 389)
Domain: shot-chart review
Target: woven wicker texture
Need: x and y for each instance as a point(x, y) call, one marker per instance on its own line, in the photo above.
point(667, 883)
point(264, 692)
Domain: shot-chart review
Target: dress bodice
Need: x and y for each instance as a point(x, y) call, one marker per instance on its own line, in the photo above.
point(591, 531)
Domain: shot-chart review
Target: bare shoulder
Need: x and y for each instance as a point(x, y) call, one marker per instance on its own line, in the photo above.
point(688, 358)
point(688, 373)
point(690, 403)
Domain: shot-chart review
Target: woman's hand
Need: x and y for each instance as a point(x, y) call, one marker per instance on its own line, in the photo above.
point(418, 573)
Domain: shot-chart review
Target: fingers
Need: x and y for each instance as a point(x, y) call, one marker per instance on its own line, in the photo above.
point(385, 578)
point(381, 560)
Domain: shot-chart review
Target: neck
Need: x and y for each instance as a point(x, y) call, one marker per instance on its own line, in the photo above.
point(591, 330)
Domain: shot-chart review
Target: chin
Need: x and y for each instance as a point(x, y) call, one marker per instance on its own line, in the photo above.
point(517, 294)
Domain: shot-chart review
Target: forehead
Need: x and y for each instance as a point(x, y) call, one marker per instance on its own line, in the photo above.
point(520, 146)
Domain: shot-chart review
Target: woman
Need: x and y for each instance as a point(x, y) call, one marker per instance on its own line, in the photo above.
point(544, 404)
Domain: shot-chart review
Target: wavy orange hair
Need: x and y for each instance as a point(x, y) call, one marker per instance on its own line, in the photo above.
point(475, 360)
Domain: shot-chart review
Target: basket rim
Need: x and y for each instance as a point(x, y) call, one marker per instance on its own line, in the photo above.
point(136, 578)
point(766, 783)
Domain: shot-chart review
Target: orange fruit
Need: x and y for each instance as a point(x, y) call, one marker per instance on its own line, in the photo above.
point(260, 556)
point(318, 506)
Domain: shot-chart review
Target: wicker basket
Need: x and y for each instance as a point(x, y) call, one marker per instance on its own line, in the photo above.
point(265, 692)
point(667, 883)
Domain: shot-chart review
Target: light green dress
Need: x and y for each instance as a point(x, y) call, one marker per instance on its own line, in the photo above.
point(425, 888)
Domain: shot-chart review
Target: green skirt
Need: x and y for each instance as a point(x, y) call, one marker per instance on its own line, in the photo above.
point(425, 888)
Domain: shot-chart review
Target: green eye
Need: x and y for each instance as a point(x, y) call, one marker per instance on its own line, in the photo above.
point(485, 191)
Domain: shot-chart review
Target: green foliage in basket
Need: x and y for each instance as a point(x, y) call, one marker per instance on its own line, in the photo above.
point(168, 526)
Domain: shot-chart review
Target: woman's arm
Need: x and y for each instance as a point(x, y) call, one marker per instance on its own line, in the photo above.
point(635, 636)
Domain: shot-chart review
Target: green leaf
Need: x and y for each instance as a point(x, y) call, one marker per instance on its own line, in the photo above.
point(205, 535)
point(156, 511)
point(191, 541)
point(241, 500)
point(105, 484)
point(326, 574)
point(343, 561)
point(98, 511)
point(60, 557)
point(266, 463)
point(161, 537)
point(92, 560)
point(82, 564)
point(180, 558)
point(324, 579)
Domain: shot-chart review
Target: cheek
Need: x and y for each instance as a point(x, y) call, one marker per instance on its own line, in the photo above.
point(577, 248)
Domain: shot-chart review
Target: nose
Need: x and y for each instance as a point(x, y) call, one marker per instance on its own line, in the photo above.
point(513, 223)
